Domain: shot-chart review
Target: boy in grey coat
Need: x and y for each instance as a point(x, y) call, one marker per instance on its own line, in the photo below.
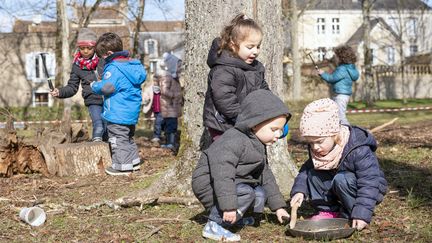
point(233, 174)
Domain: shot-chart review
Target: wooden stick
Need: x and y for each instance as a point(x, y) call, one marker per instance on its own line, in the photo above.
point(293, 219)
point(378, 128)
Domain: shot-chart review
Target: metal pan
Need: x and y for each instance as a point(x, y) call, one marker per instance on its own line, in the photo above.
point(323, 229)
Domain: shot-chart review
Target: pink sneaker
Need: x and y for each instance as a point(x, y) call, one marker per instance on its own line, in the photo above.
point(325, 215)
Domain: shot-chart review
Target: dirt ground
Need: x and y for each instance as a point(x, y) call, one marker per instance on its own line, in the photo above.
point(404, 215)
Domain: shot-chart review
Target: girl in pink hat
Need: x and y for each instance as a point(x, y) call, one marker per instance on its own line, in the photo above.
point(342, 177)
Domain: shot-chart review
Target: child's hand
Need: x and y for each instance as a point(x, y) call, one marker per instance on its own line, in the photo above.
point(281, 213)
point(319, 71)
point(230, 216)
point(55, 92)
point(297, 199)
point(359, 224)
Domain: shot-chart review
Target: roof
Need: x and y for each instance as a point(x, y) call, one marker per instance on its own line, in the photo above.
point(160, 26)
point(357, 37)
point(357, 4)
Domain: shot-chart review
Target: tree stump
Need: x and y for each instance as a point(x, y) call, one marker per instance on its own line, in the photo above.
point(79, 159)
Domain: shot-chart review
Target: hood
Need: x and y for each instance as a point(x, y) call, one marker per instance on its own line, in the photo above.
point(171, 63)
point(225, 58)
point(259, 106)
point(132, 69)
point(360, 137)
point(352, 71)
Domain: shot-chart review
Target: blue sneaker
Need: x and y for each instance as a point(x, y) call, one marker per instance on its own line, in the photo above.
point(245, 221)
point(214, 231)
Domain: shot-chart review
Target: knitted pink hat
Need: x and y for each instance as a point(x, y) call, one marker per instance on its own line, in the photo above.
point(86, 37)
point(320, 118)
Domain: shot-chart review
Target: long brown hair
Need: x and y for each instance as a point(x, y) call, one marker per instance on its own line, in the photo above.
point(237, 31)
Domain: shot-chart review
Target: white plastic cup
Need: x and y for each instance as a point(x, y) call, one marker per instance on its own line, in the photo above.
point(33, 216)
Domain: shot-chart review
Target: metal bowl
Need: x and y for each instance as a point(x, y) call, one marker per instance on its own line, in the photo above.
point(323, 229)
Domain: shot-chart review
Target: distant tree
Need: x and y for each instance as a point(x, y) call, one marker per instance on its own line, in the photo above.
point(370, 95)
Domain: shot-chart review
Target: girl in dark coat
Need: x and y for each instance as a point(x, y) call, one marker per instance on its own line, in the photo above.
point(85, 69)
point(234, 73)
point(233, 174)
point(342, 177)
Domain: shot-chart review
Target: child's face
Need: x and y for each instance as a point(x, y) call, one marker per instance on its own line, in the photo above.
point(321, 145)
point(269, 131)
point(87, 51)
point(249, 48)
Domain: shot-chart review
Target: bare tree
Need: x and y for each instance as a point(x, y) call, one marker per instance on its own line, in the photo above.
point(198, 40)
point(370, 95)
point(63, 61)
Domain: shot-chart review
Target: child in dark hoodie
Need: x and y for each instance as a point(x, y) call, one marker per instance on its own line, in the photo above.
point(342, 177)
point(86, 68)
point(342, 78)
point(234, 73)
point(233, 174)
point(121, 87)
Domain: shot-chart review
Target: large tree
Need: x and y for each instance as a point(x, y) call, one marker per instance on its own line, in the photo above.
point(204, 21)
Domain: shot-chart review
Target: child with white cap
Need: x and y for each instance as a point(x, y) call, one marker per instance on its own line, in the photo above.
point(342, 177)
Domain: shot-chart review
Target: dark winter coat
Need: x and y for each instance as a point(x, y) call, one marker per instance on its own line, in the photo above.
point(238, 156)
point(229, 81)
point(359, 158)
point(85, 77)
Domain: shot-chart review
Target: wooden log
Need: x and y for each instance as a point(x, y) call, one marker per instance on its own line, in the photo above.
point(80, 159)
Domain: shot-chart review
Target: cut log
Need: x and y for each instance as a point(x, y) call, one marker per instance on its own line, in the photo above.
point(80, 159)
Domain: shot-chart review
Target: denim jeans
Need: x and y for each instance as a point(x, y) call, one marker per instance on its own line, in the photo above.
point(342, 103)
point(99, 125)
point(171, 124)
point(333, 192)
point(158, 125)
point(246, 195)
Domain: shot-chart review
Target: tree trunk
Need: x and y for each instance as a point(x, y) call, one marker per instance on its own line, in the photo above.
point(80, 159)
point(296, 81)
point(138, 29)
point(64, 67)
point(203, 23)
point(370, 94)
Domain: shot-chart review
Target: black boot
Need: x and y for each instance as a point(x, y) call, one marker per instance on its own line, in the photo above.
point(258, 217)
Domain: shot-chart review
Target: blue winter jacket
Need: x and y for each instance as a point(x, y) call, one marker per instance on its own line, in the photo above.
point(342, 78)
point(121, 87)
point(359, 158)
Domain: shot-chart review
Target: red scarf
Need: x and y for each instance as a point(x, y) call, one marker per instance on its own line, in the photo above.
point(86, 63)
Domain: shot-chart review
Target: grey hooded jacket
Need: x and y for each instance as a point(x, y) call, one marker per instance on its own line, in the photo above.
point(229, 81)
point(238, 156)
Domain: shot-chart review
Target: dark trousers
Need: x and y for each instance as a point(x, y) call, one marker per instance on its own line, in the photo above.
point(99, 124)
point(247, 196)
point(333, 192)
point(158, 125)
point(171, 124)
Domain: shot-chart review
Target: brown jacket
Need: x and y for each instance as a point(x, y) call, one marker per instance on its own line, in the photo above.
point(171, 97)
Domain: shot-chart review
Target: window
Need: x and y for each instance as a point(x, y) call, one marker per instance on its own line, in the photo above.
point(393, 23)
point(321, 26)
point(391, 55)
point(412, 27)
point(372, 56)
point(35, 68)
point(153, 66)
point(335, 26)
point(40, 98)
point(151, 48)
point(321, 53)
point(413, 49)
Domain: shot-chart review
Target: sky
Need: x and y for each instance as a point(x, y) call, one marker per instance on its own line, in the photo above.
point(10, 10)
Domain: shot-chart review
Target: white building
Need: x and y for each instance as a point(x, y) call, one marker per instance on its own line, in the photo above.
point(327, 24)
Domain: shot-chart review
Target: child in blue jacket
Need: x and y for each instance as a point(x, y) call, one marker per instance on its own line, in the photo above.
point(342, 177)
point(342, 78)
point(121, 88)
